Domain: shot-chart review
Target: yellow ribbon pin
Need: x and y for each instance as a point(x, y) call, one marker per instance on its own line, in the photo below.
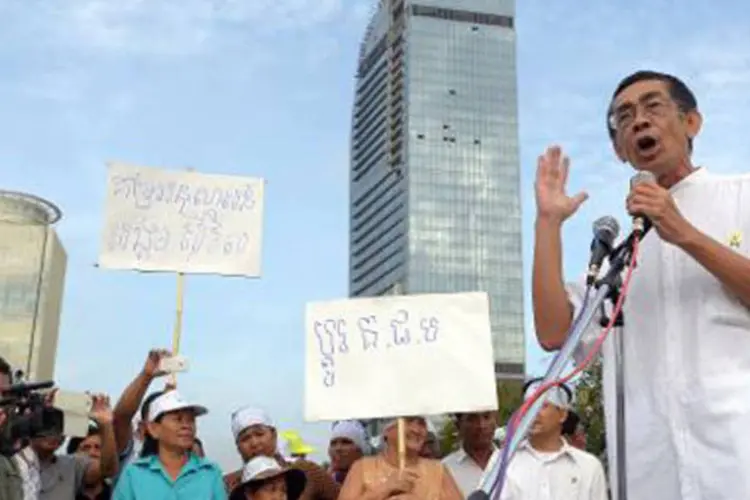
point(735, 239)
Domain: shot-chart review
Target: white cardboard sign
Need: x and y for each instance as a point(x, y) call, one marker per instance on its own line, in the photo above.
point(399, 356)
point(182, 221)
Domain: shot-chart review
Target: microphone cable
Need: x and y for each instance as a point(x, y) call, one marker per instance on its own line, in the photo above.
point(589, 358)
point(512, 421)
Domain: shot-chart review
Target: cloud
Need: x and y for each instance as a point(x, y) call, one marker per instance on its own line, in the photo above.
point(169, 27)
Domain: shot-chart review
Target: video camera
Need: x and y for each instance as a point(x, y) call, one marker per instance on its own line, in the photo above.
point(28, 415)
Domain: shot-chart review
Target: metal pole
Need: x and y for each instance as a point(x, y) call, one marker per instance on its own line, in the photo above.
point(619, 259)
point(565, 356)
point(488, 483)
point(621, 450)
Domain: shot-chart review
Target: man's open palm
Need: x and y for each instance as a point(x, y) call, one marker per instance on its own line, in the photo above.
point(551, 182)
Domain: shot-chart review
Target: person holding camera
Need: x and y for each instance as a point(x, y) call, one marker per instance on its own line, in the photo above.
point(168, 468)
point(10, 480)
point(46, 476)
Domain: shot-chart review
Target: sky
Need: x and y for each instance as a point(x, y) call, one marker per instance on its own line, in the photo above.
point(264, 88)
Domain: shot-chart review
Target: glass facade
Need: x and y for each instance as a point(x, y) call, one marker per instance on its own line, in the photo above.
point(442, 189)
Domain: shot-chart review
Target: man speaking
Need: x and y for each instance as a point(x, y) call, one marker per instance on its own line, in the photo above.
point(687, 314)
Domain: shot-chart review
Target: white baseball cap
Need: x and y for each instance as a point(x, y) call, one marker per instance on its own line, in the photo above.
point(351, 430)
point(248, 416)
point(172, 401)
point(263, 468)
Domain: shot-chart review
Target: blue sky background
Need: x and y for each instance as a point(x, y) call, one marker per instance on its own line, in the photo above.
point(264, 88)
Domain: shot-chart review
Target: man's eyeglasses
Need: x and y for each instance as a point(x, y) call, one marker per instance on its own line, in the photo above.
point(624, 115)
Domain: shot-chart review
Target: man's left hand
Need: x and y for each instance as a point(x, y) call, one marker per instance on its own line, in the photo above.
point(101, 410)
point(656, 203)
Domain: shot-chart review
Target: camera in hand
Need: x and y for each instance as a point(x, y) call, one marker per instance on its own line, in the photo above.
point(28, 415)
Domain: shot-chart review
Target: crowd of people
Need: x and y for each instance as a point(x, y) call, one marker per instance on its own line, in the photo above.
point(146, 447)
point(685, 338)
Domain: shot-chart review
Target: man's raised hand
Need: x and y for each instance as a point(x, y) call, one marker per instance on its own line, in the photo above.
point(552, 201)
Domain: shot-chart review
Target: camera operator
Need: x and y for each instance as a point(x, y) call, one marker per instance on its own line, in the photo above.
point(10, 480)
point(46, 476)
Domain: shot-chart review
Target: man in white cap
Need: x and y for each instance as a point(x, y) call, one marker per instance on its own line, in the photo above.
point(545, 465)
point(256, 436)
point(348, 444)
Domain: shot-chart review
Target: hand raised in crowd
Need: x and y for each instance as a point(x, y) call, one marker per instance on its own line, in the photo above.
point(551, 181)
point(653, 201)
point(101, 410)
point(153, 360)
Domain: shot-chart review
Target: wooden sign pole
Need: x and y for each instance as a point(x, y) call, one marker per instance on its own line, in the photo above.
point(177, 332)
point(401, 423)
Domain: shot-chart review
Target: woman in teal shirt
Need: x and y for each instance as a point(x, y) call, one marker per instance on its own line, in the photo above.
point(168, 469)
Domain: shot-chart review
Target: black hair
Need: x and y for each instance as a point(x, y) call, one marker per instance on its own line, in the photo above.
point(75, 442)
point(147, 404)
point(571, 424)
point(5, 369)
point(564, 387)
point(253, 487)
point(150, 444)
point(678, 91)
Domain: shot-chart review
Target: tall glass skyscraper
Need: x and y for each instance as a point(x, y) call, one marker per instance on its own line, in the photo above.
point(434, 179)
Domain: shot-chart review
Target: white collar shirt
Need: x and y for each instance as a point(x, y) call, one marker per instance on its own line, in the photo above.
point(567, 474)
point(29, 469)
point(464, 470)
point(686, 356)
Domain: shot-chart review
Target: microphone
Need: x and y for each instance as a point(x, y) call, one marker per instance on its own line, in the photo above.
point(641, 224)
point(606, 229)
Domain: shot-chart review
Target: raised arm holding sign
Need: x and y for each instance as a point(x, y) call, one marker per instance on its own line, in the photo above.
point(182, 222)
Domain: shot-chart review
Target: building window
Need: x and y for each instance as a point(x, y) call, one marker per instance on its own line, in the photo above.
point(420, 136)
point(462, 16)
point(452, 91)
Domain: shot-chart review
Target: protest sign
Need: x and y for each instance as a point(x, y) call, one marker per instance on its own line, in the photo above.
point(398, 356)
point(182, 221)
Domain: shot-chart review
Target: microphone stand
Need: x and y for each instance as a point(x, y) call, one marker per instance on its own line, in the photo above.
point(619, 366)
point(606, 288)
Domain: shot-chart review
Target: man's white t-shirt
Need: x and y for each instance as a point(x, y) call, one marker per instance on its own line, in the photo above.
point(687, 358)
